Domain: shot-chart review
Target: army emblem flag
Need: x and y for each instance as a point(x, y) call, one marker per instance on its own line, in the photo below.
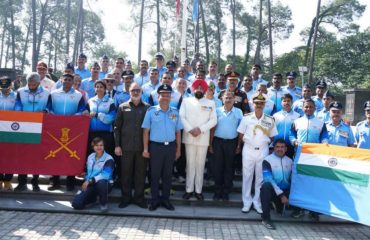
point(37, 143)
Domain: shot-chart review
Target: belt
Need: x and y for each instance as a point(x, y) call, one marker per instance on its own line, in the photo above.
point(226, 140)
point(162, 143)
point(256, 148)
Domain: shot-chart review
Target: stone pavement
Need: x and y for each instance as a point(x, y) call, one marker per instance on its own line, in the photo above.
point(34, 225)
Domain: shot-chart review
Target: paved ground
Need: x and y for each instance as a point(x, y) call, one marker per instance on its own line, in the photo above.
point(33, 225)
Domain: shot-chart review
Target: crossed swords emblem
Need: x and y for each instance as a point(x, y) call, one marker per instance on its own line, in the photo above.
point(64, 141)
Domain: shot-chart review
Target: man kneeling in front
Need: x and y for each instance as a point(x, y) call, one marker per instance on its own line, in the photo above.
point(277, 169)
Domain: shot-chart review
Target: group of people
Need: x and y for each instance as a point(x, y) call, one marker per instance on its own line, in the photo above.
point(167, 121)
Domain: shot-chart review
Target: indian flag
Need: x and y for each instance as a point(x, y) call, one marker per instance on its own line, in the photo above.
point(332, 180)
point(20, 127)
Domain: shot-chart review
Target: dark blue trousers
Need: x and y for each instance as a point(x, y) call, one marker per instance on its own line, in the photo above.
point(268, 195)
point(162, 158)
point(100, 188)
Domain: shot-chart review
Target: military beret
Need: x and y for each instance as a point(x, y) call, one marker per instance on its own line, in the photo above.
point(211, 85)
point(335, 106)
point(200, 82)
point(5, 82)
point(291, 74)
point(128, 62)
point(105, 57)
point(367, 105)
point(186, 61)
point(165, 88)
point(232, 76)
point(127, 73)
point(321, 84)
point(259, 98)
point(306, 85)
point(328, 94)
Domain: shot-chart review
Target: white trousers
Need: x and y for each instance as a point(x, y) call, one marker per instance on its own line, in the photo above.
point(195, 161)
point(252, 165)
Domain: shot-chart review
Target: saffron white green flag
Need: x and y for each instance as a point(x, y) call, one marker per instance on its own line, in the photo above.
point(20, 127)
point(332, 180)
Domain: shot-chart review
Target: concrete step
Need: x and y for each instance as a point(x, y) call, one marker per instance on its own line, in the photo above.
point(59, 202)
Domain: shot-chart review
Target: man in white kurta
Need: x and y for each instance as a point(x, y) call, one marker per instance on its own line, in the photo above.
point(198, 116)
point(256, 131)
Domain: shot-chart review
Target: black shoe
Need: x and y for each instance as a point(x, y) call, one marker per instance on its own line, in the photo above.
point(142, 204)
point(187, 195)
point(123, 204)
point(36, 188)
point(216, 196)
point(70, 188)
point(314, 216)
point(153, 207)
point(167, 205)
point(20, 188)
point(199, 196)
point(54, 187)
point(297, 213)
point(268, 224)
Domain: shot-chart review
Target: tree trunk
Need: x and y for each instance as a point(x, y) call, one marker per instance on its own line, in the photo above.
point(308, 46)
point(68, 30)
point(312, 60)
point(219, 39)
point(257, 58)
point(26, 45)
point(247, 50)
point(34, 36)
point(12, 33)
point(158, 28)
point(82, 27)
point(140, 31)
point(2, 43)
point(7, 51)
point(77, 37)
point(233, 12)
point(204, 30)
point(270, 38)
point(41, 29)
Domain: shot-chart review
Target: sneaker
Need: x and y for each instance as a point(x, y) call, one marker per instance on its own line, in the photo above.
point(246, 209)
point(36, 188)
point(8, 186)
point(268, 224)
point(20, 188)
point(104, 208)
point(297, 213)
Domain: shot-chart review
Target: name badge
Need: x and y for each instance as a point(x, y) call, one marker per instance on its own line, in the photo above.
point(343, 134)
point(128, 110)
point(265, 124)
point(205, 108)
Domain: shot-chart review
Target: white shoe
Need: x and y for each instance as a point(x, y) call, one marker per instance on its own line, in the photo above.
point(246, 209)
point(258, 209)
point(104, 208)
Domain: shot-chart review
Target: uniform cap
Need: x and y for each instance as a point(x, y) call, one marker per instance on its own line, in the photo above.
point(186, 61)
point(367, 105)
point(5, 82)
point(128, 62)
point(232, 76)
point(335, 106)
point(171, 64)
point(291, 74)
point(68, 75)
point(321, 84)
point(211, 85)
point(259, 98)
point(70, 66)
point(105, 57)
point(95, 65)
point(158, 55)
point(128, 73)
point(200, 82)
point(165, 88)
point(82, 56)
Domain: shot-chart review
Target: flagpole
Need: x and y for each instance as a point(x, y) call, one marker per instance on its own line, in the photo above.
point(184, 29)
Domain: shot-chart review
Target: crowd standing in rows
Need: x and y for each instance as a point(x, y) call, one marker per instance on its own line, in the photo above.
point(178, 120)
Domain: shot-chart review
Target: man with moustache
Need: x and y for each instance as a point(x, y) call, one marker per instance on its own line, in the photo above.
point(124, 95)
point(256, 131)
point(291, 87)
point(247, 86)
point(363, 129)
point(128, 136)
point(198, 116)
point(212, 72)
point(339, 133)
point(104, 67)
point(87, 84)
point(142, 76)
point(45, 82)
point(151, 85)
point(80, 69)
point(120, 64)
point(255, 73)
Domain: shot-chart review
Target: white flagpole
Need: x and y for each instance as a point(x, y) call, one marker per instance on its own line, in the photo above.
point(184, 28)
